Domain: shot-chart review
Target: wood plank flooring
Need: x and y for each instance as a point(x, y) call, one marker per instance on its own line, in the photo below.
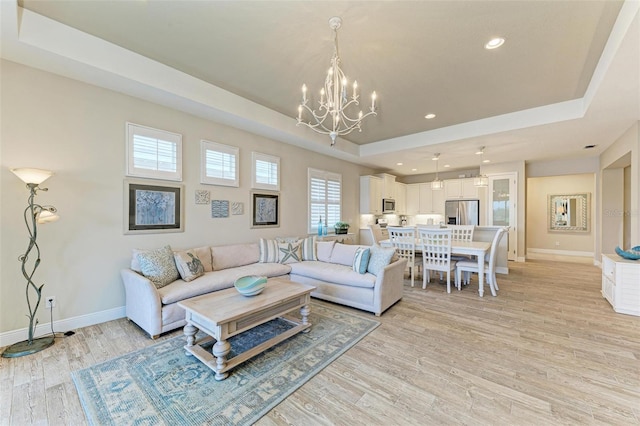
point(548, 350)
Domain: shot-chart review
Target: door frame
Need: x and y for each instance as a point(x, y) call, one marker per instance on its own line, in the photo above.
point(513, 211)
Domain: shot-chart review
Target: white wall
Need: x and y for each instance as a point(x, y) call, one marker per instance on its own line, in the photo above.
point(78, 131)
point(539, 238)
point(625, 152)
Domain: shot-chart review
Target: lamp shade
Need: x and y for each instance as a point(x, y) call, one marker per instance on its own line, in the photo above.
point(36, 176)
point(481, 181)
point(437, 184)
point(46, 216)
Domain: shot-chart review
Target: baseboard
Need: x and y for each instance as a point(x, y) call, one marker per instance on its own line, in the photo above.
point(561, 252)
point(11, 337)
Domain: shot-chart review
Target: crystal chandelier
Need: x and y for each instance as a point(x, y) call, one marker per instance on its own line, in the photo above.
point(331, 116)
point(481, 180)
point(436, 184)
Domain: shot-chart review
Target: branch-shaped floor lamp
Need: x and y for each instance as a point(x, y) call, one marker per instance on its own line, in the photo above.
point(34, 214)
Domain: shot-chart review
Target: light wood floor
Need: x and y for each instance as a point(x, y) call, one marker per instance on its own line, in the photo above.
point(548, 350)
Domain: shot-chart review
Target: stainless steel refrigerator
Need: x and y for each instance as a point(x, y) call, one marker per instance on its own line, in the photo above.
point(462, 212)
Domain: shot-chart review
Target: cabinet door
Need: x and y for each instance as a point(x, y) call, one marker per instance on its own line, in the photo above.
point(389, 187)
point(469, 190)
point(453, 189)
point(425, 198)
point(437, 202)
point(413, 199)
point(401, 198)
point(370, 195)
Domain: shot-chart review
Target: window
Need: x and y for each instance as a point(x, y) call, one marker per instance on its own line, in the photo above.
point(153, 153)
point(219, 164)
point(265, 171)
point(325, 194)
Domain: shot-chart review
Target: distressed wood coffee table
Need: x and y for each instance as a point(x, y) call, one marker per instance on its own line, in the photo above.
point(225, 313)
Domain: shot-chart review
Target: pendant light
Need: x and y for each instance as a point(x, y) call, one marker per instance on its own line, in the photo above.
point(436, 184)
point(481, 180)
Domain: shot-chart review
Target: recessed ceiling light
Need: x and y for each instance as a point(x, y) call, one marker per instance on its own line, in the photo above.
point(398, 164)
point(494, 43)
point(590, 146)
point(414, 170)
point(430, 116)
point(486, 161)
point(446, 166)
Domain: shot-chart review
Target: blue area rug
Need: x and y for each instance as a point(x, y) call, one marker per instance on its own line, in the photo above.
point(160, 385)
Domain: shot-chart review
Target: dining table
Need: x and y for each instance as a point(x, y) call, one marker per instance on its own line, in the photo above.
point(466, 248)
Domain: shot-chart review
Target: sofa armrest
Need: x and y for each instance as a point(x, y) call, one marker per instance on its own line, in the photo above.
point(143, 304)
point(389, 286)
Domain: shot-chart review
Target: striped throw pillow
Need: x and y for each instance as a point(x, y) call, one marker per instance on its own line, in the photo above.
point(269, 251)
point(361, 260)
point(309, 249)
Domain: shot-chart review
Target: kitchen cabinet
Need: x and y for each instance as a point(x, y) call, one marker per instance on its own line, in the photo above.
point(388, 185)
point(621, 283)
point(401, 198)
point(460, 188)
point(370, 195)
point(413, 199)
point(431, 201)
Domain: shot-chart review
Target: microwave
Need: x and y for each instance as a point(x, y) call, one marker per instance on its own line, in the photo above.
point(388, 205)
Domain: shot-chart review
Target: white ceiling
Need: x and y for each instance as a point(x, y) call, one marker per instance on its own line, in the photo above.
point(567, 76)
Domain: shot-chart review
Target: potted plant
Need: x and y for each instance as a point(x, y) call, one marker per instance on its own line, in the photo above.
point(341, 227)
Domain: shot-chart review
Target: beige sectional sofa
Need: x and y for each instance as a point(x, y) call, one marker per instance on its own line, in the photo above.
point(155, 309)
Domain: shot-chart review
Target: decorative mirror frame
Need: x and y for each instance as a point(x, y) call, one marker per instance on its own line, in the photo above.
point(559, 210)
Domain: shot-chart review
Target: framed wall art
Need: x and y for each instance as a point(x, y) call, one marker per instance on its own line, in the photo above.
point(153, 208)
point(265, 210)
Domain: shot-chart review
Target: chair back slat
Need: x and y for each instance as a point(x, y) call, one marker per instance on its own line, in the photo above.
point(436, 248)
point(461, 232)
point(403, 240)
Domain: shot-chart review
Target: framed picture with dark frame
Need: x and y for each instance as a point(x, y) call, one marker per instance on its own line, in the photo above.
point(265, 210)
point(153, 208)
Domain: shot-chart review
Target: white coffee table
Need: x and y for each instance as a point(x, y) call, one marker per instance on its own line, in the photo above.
point(225, 313)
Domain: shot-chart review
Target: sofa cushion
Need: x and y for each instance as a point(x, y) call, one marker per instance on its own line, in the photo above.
point(204, 254)
point(158, 266)
point(361, 260)
point(380, 257)
point(290, 252)
point(309, 249)
point(233, 255)
point(218, 280)
point(269, 252)
point(343, 254)
point(324, 249)
point(189, 265)
point(333, 273)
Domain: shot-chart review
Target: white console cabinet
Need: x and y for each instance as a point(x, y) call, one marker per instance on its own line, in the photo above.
point(621, 283)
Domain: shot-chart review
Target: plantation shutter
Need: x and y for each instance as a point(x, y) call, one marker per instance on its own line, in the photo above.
point(153, 153)
point(219, 164)
point(325, 194)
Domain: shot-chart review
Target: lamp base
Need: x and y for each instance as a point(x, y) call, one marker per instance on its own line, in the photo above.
point(24, 348)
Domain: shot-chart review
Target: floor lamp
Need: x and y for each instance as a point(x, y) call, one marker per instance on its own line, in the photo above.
point(34, 214)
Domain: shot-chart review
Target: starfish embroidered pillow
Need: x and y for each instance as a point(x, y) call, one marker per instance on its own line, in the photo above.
point(290, 252)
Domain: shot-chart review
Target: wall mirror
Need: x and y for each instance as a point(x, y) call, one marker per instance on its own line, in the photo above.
point(569, 213)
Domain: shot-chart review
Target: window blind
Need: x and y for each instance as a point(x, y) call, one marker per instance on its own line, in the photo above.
point(325, 194)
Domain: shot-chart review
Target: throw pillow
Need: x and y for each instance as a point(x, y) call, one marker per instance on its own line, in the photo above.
point(189, 265)
point(343, 254)
point(290, 252)
point(159, 266)
point(309, 249)
point(269, 252)
point(379, 258)
point(324, 249)
point(361, 260)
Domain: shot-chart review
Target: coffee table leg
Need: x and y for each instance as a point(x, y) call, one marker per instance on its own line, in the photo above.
point(220, 351)
point(304, 312)
point(190, 331)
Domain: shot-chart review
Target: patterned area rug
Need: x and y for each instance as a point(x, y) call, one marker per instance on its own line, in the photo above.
point(160, 385)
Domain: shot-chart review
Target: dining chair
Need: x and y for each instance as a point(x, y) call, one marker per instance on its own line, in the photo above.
point(489, 266)
point(376, 233)
point(436, 254)
point(403, 240)
point(462, 233)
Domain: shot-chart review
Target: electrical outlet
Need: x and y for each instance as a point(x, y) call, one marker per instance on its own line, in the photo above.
point(50, 302)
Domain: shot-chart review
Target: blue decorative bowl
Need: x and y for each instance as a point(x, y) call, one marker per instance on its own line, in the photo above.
point(633, 254)
point(250, 285)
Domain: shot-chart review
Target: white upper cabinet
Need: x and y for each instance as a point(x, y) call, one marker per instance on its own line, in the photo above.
point(413, 199)
point(370, 195)
point(388, 185)
point(460, 188)
point(400, 195)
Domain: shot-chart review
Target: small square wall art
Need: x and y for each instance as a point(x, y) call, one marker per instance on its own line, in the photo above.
point(219, 208)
